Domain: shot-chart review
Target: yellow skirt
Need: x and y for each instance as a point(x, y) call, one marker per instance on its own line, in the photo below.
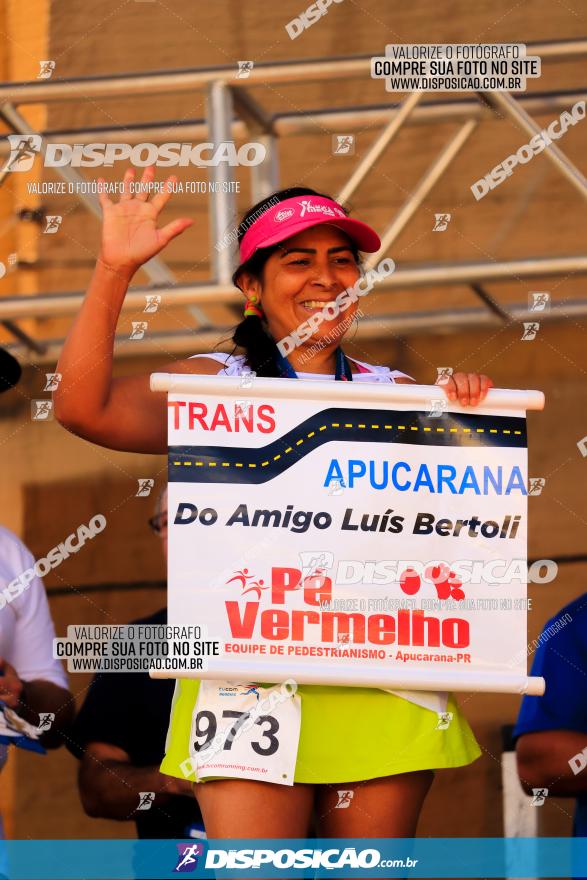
point(348, 734)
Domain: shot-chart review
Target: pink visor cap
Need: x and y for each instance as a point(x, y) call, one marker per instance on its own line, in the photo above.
point(291, 216)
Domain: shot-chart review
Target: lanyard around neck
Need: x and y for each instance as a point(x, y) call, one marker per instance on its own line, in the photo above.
point(343, 368)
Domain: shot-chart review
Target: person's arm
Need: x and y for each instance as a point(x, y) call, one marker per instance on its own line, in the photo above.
point(33, 681)
point(543, 762)
point(118, 413)
point(109, 784)
point(30, 699)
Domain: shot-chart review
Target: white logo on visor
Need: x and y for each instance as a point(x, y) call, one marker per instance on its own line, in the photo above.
point(283, 215)
point(306, 205)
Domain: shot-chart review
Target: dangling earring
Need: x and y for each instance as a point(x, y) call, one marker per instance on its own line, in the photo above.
point(251, 307)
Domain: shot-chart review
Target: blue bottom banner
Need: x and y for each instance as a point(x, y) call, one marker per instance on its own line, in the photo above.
point(312, 858)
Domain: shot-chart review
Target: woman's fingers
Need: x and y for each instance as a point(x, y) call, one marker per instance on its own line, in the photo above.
point(161, 198)
point(467, 388)
point(457, 387)
point(144, 190)
point(461, 381)
point(173, 229)
point(129, 176)
point(102, 197)
point(449, 385)
point(474, 388)
point(486, 384)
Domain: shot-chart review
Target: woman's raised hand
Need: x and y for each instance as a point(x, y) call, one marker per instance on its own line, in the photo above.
point(129, 227)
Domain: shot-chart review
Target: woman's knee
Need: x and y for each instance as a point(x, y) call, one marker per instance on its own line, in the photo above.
point(248, 808)
point(388, 806)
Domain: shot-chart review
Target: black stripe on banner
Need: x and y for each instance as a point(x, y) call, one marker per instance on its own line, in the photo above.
point(222, 464)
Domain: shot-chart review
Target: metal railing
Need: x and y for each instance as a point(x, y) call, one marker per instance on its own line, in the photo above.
point(232, 112)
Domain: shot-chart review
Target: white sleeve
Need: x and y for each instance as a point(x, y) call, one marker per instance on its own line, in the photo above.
point(233, 365)
point(32, 646)
point(220, 356)
point(397, 374)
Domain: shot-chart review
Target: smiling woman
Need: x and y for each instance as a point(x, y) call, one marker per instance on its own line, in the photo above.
point(297, 259)
point(299, 253)
point(330, 309)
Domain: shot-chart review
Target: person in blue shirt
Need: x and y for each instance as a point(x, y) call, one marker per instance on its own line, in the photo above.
point(551, 731)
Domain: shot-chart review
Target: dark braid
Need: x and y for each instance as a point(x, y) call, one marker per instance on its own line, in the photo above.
point(252, 334)
point(259, 347)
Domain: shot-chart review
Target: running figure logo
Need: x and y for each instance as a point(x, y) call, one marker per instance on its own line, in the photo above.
point(153, 301)
point(23, 151)
point(244, 69)
point(438, 408)
point(249, 689)
point(146, 800)
point(41, 410)
point(538, 301)
point(47, 68)
point(315, 562)
point(343, 144)
point(444, 374)
point(344, 800)
point(188, 854)
point(536, 485)
point(139, 328)
point(441, 222)
point(444, 719)
point(46, 719)
point(53, 380)
point(530, 331)
point(52, 223)
point(243, 577)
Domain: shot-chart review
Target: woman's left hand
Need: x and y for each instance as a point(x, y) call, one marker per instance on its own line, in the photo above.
point(468, 388)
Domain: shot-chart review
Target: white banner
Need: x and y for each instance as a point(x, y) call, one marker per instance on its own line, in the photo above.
point(347, 534)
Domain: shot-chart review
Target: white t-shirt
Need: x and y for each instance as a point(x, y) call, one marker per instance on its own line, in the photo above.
point(26, 627)
point(235, 365)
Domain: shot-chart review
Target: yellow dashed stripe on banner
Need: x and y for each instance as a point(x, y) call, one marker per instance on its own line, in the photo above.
point(338, 425)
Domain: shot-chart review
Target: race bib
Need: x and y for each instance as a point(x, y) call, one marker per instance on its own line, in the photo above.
point(246, 731)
